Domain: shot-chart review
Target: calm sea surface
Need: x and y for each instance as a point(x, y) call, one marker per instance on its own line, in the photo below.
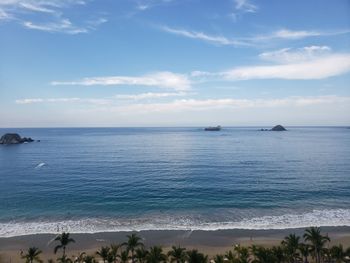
point(111, 179)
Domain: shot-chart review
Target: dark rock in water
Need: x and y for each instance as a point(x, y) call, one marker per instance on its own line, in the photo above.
point(216, 128)
point(262, 129)
point(14, 138)
point(278, 128)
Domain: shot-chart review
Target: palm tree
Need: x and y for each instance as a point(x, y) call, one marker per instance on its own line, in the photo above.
point(231, 257)
point(338, 254)
point(279, 254)
point(80, 258)
point(64, 239)
point(111, 258)
point(103, 253)
point(32, 255)
point(313, 235)
point(242, 254)
point(156, 255)
point(114, 251)
point(177, 254)
point(326, 255)
point(64, 259)
point(124, 256)
point(291, 244)
point(304, 251)
point(140, 255)
point(263, 255)
point(133, 242)
point(219, 259)
point(195, 257)
point(89, 259)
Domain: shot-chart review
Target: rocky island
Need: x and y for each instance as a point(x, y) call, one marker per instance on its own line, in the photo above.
point(14, 138)
point(278, 128)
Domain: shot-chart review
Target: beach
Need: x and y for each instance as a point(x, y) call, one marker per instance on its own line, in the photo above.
point(207, 242)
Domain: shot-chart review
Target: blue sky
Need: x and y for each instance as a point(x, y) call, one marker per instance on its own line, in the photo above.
point(174, 63)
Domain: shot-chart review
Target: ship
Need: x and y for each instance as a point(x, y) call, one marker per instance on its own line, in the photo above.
point(216, 128)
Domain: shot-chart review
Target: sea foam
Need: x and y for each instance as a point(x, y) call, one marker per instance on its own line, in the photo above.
point(335, 217)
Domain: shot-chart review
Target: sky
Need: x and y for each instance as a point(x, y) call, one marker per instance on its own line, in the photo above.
point(135, 63)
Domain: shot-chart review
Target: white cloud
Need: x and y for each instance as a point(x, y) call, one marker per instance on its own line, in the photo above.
point(287, 34)
point(143, 5)
point(307, 63)
point(308, 110)
point(163, 79)
point(102, 101)
point(195, 104)
point(218, 40)
point(50, 13)
point(29, 101)
point(318, 68)
point(246, 6)
point(63, 100)
point(230, 103)
point(149, 95)
point(252, 41)
point(64, 26)
point(287, 55)
point(4, 16)
point(37, 7)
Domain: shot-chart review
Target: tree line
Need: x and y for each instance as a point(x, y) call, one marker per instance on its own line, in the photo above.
point(312, 247)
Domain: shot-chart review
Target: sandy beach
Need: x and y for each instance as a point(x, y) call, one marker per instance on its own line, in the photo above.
point(208, 242)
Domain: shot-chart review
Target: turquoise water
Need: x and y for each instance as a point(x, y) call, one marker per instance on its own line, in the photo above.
point(112, 179)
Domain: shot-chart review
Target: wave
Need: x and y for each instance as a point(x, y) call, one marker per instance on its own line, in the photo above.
point(40, 165)
point(333, 217)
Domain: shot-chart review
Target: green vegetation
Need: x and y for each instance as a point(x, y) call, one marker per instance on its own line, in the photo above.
point(64, 240)
point(313, 247)
point(32, 255)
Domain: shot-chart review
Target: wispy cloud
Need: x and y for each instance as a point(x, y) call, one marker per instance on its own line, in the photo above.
point(46, 15)
point(186, 105)
point(163, 79)
point(63, 25)
point(307, 63)
point(149, 95)
point(245, 6)
point(218, 40)
point(197, 104)
point(318, 68)
point(103, 101)
point(36, 7)
point(288, 34)
point(252, 41)
point(63, 100)
point(287, 55)
point(4, 15)
point(143, 5)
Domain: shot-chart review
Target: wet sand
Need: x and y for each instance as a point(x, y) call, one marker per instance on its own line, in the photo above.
point(208, 242)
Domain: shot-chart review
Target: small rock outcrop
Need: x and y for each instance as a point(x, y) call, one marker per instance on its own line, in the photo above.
point(14, 138)
point(278, 128)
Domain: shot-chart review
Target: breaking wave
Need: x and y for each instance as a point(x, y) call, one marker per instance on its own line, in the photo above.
point(333, 217)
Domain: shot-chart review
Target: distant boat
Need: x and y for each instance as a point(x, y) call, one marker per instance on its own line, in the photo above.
point(217, 128)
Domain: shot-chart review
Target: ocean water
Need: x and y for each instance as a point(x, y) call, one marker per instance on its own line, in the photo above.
point(113, 179)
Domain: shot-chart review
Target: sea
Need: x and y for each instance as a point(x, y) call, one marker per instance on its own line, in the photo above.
point(87, 180)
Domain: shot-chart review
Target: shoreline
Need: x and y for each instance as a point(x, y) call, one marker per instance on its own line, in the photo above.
point(209, 242)
point(163, 222)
